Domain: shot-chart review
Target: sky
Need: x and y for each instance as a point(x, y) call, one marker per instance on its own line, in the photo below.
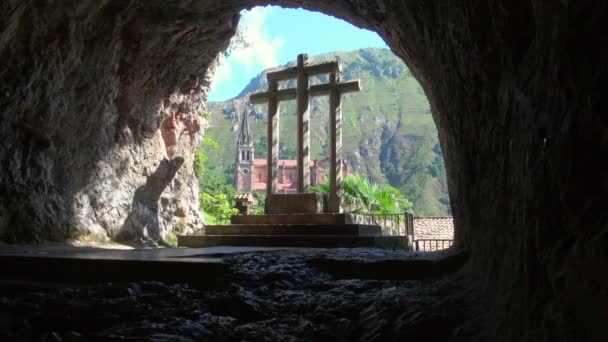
point(276, 36)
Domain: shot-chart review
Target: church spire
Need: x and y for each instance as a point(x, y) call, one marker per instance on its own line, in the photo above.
point(243, 172)
point(245, 136)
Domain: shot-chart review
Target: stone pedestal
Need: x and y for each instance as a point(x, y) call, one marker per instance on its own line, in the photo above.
point(306, 203)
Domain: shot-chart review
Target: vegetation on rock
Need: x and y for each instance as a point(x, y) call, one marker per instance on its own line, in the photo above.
point(216, 195)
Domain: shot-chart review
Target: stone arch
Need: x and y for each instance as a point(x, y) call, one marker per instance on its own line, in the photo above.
point(516, 88)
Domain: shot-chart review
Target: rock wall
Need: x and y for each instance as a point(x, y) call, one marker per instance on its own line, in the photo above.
point(517, 90)
point(101, 107)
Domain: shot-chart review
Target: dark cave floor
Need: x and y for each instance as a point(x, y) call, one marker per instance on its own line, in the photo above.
point(271, 296)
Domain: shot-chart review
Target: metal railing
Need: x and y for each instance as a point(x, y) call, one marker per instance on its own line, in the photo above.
point(392, 224)
point(429, 245)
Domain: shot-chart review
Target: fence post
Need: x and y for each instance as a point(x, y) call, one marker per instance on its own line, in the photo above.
point(399, 225)
point(409, 224)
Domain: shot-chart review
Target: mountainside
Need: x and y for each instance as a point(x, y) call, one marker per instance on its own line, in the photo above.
point(388, 131)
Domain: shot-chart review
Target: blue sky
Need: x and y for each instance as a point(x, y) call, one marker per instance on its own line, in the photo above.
point(276, 36)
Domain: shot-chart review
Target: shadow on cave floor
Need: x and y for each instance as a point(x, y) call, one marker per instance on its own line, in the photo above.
point(274, 296)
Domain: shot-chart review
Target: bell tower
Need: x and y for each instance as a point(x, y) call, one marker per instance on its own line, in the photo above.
point(243, 170)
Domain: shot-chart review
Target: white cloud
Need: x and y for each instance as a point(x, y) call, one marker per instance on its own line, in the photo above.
point(223, 72)
point(262, 51)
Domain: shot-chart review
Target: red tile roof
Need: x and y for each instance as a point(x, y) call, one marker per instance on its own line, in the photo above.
point(282, 162)
point(433, 228)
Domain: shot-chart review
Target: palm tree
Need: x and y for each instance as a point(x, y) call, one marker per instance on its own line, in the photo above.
point(361, 195)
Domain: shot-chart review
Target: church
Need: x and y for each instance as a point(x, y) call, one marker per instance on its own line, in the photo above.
point(251, 174)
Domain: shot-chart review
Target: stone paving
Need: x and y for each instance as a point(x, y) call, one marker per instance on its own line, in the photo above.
point(272, 296)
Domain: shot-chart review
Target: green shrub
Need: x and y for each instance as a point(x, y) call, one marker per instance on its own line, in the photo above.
point(258, 208)
point(171, 240)
point(217, 208)
point(364, 196)
point(180, 226)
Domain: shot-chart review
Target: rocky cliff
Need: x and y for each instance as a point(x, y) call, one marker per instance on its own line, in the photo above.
point(101, 106)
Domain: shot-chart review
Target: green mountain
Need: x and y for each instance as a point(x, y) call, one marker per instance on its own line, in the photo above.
point(388, 131)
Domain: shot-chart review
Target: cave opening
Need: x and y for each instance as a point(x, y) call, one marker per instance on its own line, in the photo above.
point(389, 133)
point(513, 138)
point(517, 94)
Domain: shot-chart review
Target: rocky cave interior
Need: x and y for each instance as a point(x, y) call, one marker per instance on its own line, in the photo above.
point(100, 106)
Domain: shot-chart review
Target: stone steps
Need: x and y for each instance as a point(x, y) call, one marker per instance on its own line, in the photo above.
point(294, 229)
point(313, 241)
point(294, 219)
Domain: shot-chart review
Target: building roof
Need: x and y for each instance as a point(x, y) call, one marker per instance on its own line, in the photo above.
point(245, 136)
point(245, 197)
point(261, 186)
point(282, 162)
point(433, 228)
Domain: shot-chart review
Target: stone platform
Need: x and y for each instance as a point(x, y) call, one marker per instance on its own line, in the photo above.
point(311, 241)
point(296, 230)
point(321, 219)
point(88, 265)
point(298, 203)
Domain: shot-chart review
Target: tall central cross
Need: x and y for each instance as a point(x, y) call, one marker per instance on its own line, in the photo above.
point(303, 125)
point(335, 89)
point(302, 72)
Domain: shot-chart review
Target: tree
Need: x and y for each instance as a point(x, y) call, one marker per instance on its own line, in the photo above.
point(258, 208)
point(287, 152)
point(200, 159)
point(216, 196)
point(260, 146)
point(363, 196)
point(217, 208)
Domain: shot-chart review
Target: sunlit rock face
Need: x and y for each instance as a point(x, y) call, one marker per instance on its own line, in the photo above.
point(517, 90)
point(101, 106)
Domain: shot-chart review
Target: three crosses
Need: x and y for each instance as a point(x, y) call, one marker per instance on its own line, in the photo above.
point(302, 93)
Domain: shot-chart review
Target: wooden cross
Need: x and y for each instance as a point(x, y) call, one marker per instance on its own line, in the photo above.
point(335, 89)
point(302, 72)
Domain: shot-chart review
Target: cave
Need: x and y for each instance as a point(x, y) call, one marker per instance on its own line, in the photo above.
point(100, 105)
